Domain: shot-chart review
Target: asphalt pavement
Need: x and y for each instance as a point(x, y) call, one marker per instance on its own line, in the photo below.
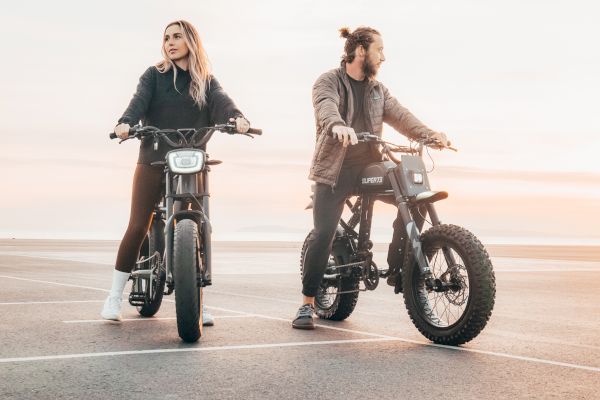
point(542, 340)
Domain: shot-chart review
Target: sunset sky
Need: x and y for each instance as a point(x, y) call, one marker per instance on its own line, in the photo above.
point(514, 84)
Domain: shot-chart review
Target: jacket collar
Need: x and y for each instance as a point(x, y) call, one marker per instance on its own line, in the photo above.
point(341, 71)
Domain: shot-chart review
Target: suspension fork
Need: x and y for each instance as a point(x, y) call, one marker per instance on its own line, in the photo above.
point(202, 179)
point(414, 241)
point(435, 220)
point(190, 190)
point(169, 228)
point(412, 231)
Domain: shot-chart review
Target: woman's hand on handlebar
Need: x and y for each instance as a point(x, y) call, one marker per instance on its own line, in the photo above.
point(344, 134)
point(122, 131)
point(241, 124)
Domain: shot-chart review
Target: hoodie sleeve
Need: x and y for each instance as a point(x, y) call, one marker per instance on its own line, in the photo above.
point(138, 106)
point(220, 106)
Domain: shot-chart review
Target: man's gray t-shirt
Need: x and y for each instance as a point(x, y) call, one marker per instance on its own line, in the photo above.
point(361, 153)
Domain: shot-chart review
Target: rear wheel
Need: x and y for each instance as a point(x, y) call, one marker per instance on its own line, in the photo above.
point(328, 303)
point(460, 313)
point(188, 293)
point(152, 251)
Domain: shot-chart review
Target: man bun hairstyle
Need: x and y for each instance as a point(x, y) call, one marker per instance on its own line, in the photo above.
point(362, 36)
point(345, 32)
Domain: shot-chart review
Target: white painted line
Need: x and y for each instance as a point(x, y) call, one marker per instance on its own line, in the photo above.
point(424, 343)
point(548, 270)
point(17, 303)
point(54, 283)
point(54, 258)
point(378, 337)
point(89, 321)
point(250, 296)
point(514, 357)
point(188, 350)
point(151, 319)
point(335, 328)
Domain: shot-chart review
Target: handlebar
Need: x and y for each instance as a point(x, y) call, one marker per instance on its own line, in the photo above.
point(254, 131)
point(186, 135)
point(132, 131)
point(368, 137)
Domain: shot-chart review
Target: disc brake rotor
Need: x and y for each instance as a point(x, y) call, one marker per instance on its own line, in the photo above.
point(457, 297)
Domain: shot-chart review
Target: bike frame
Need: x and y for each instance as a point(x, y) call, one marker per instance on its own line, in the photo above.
point(403, 197)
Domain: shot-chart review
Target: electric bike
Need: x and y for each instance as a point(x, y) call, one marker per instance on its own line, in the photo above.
point(446, 275)
point(176, 253)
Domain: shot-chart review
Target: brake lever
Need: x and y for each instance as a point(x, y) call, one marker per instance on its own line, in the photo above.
point(129, 138)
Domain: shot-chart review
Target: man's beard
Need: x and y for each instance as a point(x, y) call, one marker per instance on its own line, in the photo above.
point(369, 69)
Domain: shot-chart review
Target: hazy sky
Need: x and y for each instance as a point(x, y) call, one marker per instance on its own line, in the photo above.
point(514, 84)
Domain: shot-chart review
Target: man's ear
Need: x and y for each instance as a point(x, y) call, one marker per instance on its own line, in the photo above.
point(361, 51)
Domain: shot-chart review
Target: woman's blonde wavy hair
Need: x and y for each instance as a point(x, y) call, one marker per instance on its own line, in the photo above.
point(198, 63)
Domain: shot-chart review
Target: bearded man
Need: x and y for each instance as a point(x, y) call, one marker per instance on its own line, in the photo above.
point(348, 100)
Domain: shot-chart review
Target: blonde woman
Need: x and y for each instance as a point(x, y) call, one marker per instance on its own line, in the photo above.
point(178, 92)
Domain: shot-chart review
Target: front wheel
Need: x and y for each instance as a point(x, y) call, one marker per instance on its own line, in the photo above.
point(186, 270)
point(328, 303)
point(459, 262)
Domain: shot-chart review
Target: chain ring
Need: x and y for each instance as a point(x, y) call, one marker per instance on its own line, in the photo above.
point(371, 276)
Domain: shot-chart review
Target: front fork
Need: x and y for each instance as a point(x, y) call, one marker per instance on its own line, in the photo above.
point(414, 245)
point(188, 188)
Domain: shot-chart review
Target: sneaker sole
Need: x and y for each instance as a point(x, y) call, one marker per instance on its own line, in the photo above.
point(111, 318)
point(306, 327)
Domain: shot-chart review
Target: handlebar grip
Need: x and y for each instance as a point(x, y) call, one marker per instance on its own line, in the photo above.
point(132, 131)
point(255, 131)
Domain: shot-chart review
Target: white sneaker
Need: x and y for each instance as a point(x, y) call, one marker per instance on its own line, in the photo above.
point(207, 319)
point(112, 309)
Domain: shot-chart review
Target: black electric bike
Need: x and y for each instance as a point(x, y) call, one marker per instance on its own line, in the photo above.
point(446, 275)
point(176, 253)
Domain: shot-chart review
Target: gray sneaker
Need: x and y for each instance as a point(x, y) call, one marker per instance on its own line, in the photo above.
point(304, 317)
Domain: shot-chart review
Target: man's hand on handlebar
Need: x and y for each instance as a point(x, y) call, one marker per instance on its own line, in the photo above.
point(122, 131)
point(344, 134)
point(440, 139)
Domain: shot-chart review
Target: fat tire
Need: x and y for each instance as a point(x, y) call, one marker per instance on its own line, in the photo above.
point(344, 304)
point(482, 286)
point(188, 296)
point(154, 242)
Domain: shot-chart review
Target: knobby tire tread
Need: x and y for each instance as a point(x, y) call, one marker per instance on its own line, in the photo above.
point(482, 286)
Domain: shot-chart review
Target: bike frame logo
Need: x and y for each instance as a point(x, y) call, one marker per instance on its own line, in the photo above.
point(373, 180)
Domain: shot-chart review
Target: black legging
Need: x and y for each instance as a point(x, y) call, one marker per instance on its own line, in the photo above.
point(147, 187)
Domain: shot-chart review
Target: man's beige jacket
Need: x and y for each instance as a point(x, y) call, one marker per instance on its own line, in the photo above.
point(334, 105)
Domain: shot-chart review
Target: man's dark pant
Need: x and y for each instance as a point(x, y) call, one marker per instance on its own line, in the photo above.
point(328, 206)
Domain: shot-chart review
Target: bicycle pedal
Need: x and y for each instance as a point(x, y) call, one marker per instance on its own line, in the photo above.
point(137, 298)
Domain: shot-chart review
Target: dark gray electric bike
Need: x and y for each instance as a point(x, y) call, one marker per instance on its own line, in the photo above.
point(176, 253)
point(446, 275)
